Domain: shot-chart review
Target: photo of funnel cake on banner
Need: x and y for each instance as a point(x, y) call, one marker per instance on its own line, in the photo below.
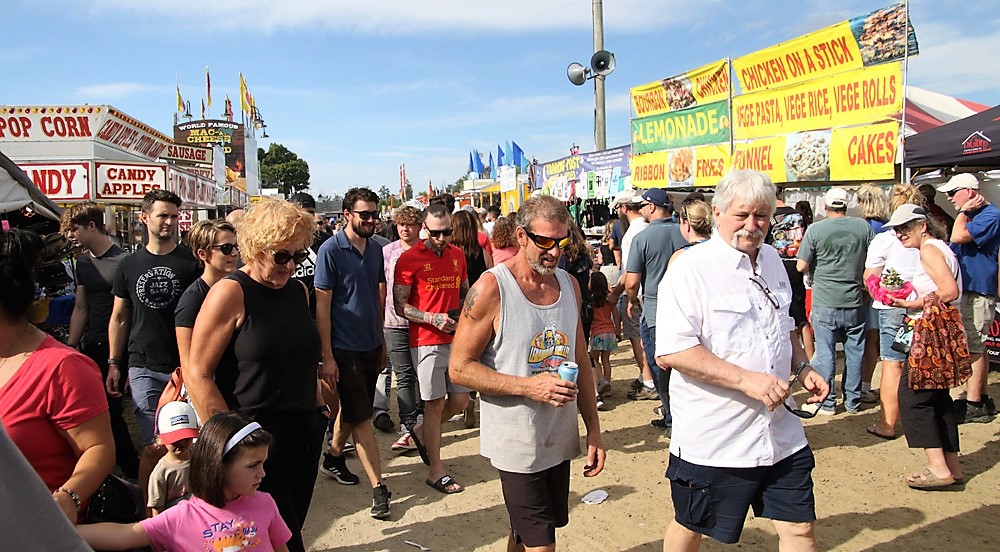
point(825, 106)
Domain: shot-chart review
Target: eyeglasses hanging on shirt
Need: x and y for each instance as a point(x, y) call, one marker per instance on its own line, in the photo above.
point(762, 286)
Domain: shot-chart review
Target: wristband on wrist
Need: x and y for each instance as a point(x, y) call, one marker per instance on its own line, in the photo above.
point(113, 361)
point(72, 495)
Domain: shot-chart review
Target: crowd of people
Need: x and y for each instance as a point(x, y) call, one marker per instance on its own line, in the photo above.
point(287, 337)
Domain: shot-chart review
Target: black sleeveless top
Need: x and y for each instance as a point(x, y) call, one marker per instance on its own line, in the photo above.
point(475, 266)
point(274, 354)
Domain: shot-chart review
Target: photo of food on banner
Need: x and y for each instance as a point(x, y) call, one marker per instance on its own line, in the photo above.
point(680, 167)
point(678, 92)
point(882, 35)
point(807, 156)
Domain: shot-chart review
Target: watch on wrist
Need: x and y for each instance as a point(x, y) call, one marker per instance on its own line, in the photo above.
point(324, 409)
point(72, 495)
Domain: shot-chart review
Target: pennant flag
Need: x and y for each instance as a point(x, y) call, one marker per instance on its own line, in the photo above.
point(402, 181)
point(491, 164)
point(430, 189)
point(203, 109)
point(478, 159)
point(518, 155)
point(229, 108)
point(470, 163)
point(499, 156)
point(510, 155)
point(208, 87)
point(180, 100)
point(244, 95)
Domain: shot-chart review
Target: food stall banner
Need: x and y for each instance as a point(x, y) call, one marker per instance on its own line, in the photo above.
point(857, 153)
point(188, 154)
point(579, 168)
point(704, 124)
point(228, 134)
point(128, 181)
point(685, 167)
point(703, 85)
point(122, 132)
point(881, 36)
point(861, 96)
point(508, 179)
point(60, 181)
point(184, 184)
point(49, 123)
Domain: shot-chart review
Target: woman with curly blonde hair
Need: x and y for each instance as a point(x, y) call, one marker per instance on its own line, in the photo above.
point(255, 349)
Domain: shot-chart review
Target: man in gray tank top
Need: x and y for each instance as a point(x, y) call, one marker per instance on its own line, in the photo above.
point(520, 322)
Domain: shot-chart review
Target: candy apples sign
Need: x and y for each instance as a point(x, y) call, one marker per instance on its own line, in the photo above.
point(119, 181)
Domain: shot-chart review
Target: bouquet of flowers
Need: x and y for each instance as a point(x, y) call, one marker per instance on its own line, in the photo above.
point(891, 280)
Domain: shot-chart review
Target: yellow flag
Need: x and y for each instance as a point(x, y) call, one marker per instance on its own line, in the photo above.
point(180, 100)
point(244, 95)
point(208, 87)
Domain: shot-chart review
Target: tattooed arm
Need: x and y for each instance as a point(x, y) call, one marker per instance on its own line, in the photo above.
point(400, 300)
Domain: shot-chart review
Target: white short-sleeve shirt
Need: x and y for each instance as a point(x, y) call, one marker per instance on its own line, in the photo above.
point(708, 298)
point(886, 251)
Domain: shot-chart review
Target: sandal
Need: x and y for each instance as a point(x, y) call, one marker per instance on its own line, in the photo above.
point(421, 449)
point(873, 429)
point(927, 481)
point(443, 484)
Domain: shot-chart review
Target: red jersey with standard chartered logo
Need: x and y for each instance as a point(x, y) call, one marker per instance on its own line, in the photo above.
point(435, 285)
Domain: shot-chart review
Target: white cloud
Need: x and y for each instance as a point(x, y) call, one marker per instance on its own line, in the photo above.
point(956, 60)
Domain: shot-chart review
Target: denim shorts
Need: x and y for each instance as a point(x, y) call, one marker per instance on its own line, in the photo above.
point(889, 322)
point(604, 342)
point(147, 386)
point(872, 320)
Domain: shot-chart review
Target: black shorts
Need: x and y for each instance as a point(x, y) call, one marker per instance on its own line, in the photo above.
point(358, 376)
point(714, 501)
point(537, 503)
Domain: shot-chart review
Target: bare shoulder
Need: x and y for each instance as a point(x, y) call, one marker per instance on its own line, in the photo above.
point(483, 300)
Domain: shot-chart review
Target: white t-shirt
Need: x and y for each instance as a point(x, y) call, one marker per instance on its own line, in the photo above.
point(634, 227)
point(709, 298)
point(885, 250)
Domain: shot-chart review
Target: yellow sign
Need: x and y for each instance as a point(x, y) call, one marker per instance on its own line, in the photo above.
point(681, 167)
point(700, 86)
point(254, 200)
point(863, 96)
point(766, 155)
point(825, 52)
point(864, 153)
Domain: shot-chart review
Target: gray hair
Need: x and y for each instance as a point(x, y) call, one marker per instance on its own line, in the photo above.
point(747, 186)
point(543, 207)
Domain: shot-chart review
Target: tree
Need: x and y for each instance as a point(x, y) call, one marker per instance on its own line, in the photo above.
point(330, 203)
point(281, 168)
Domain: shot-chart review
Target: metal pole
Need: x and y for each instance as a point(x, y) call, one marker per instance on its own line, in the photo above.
point(600, 128)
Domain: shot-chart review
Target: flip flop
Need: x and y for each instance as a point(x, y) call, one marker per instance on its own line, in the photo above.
point(441, 485)
point(421, 449)
point(927, 481)
point(874, 431)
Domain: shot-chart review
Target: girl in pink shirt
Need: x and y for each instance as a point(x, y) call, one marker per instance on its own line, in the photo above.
point(225, 513)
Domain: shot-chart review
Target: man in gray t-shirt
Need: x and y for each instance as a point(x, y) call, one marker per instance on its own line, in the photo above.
point(833, 254)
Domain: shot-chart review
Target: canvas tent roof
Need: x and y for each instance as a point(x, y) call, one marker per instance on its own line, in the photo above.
point(967, 142)
point(17, 192)
point(926, 110)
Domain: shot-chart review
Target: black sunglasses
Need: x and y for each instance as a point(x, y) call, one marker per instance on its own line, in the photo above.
point(953, 192)
point(799, 412)
point(438, 233)
point(282, 257)
point(545, 242)
point(367, 215)
point(226, 248)
point(762, 285)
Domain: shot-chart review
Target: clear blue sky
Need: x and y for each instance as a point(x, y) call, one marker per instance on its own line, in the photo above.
point(358, 87)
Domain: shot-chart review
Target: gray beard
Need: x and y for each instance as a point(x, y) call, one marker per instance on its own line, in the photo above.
point(538, 267)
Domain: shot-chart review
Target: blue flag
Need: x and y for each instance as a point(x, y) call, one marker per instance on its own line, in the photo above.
point(499, 156)
point(510, 155)
point(518, 155)
point(478, 162)
point(491, 163)
point(470, 162)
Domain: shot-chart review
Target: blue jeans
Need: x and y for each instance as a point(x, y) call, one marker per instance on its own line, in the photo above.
point(661, 378)
point(831, 325)
point(147, 386)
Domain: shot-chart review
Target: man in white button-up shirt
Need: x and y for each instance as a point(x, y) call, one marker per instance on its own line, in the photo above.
point(723, 326)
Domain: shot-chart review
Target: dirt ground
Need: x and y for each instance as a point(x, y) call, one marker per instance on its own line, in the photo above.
point(862, 502)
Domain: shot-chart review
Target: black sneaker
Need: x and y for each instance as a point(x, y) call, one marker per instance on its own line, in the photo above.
point(384, 423)
point(991, 407)
point(335, 467)
point(977, 413)
point(380, 502)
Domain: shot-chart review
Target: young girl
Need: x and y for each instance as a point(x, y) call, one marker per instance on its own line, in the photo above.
point(605, 332)
point(226, 511)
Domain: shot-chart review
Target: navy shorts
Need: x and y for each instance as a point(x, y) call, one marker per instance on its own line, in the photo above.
point(537, 503)
point(714, 501)
point(358, 375)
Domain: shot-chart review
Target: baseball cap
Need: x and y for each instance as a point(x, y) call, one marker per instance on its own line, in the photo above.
point(837, 198)
point(906, 213)
point(656, 196)
point(960, 181)
point(176, 420)
point(625, 197)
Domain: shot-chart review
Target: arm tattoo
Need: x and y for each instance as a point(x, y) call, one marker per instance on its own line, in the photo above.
point(470, 303)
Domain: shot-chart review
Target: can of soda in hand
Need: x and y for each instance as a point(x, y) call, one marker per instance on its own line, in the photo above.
point(568, 371)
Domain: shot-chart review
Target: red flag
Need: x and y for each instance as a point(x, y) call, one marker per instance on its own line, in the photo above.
point(203, 108)
point(430, 189)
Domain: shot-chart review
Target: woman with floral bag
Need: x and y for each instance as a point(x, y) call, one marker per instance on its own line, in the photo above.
point(939, 353)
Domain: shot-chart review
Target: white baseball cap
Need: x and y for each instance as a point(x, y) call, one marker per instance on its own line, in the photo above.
point(837, 198)
point(906, 213)
point(176, 420)
point(960, 181)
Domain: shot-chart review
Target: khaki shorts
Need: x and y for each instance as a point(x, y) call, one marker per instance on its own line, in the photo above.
point(978, 312)
point(630, 324)
point(431, 362)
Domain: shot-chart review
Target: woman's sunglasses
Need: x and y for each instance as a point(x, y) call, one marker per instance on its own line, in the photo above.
point(282, 257)
point(545, 242)
point(439, 233)
point(227, 248)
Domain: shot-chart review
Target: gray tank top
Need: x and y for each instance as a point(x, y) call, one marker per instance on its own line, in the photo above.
point(518, 434)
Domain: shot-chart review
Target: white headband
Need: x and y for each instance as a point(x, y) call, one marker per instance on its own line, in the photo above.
point(240, 435)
